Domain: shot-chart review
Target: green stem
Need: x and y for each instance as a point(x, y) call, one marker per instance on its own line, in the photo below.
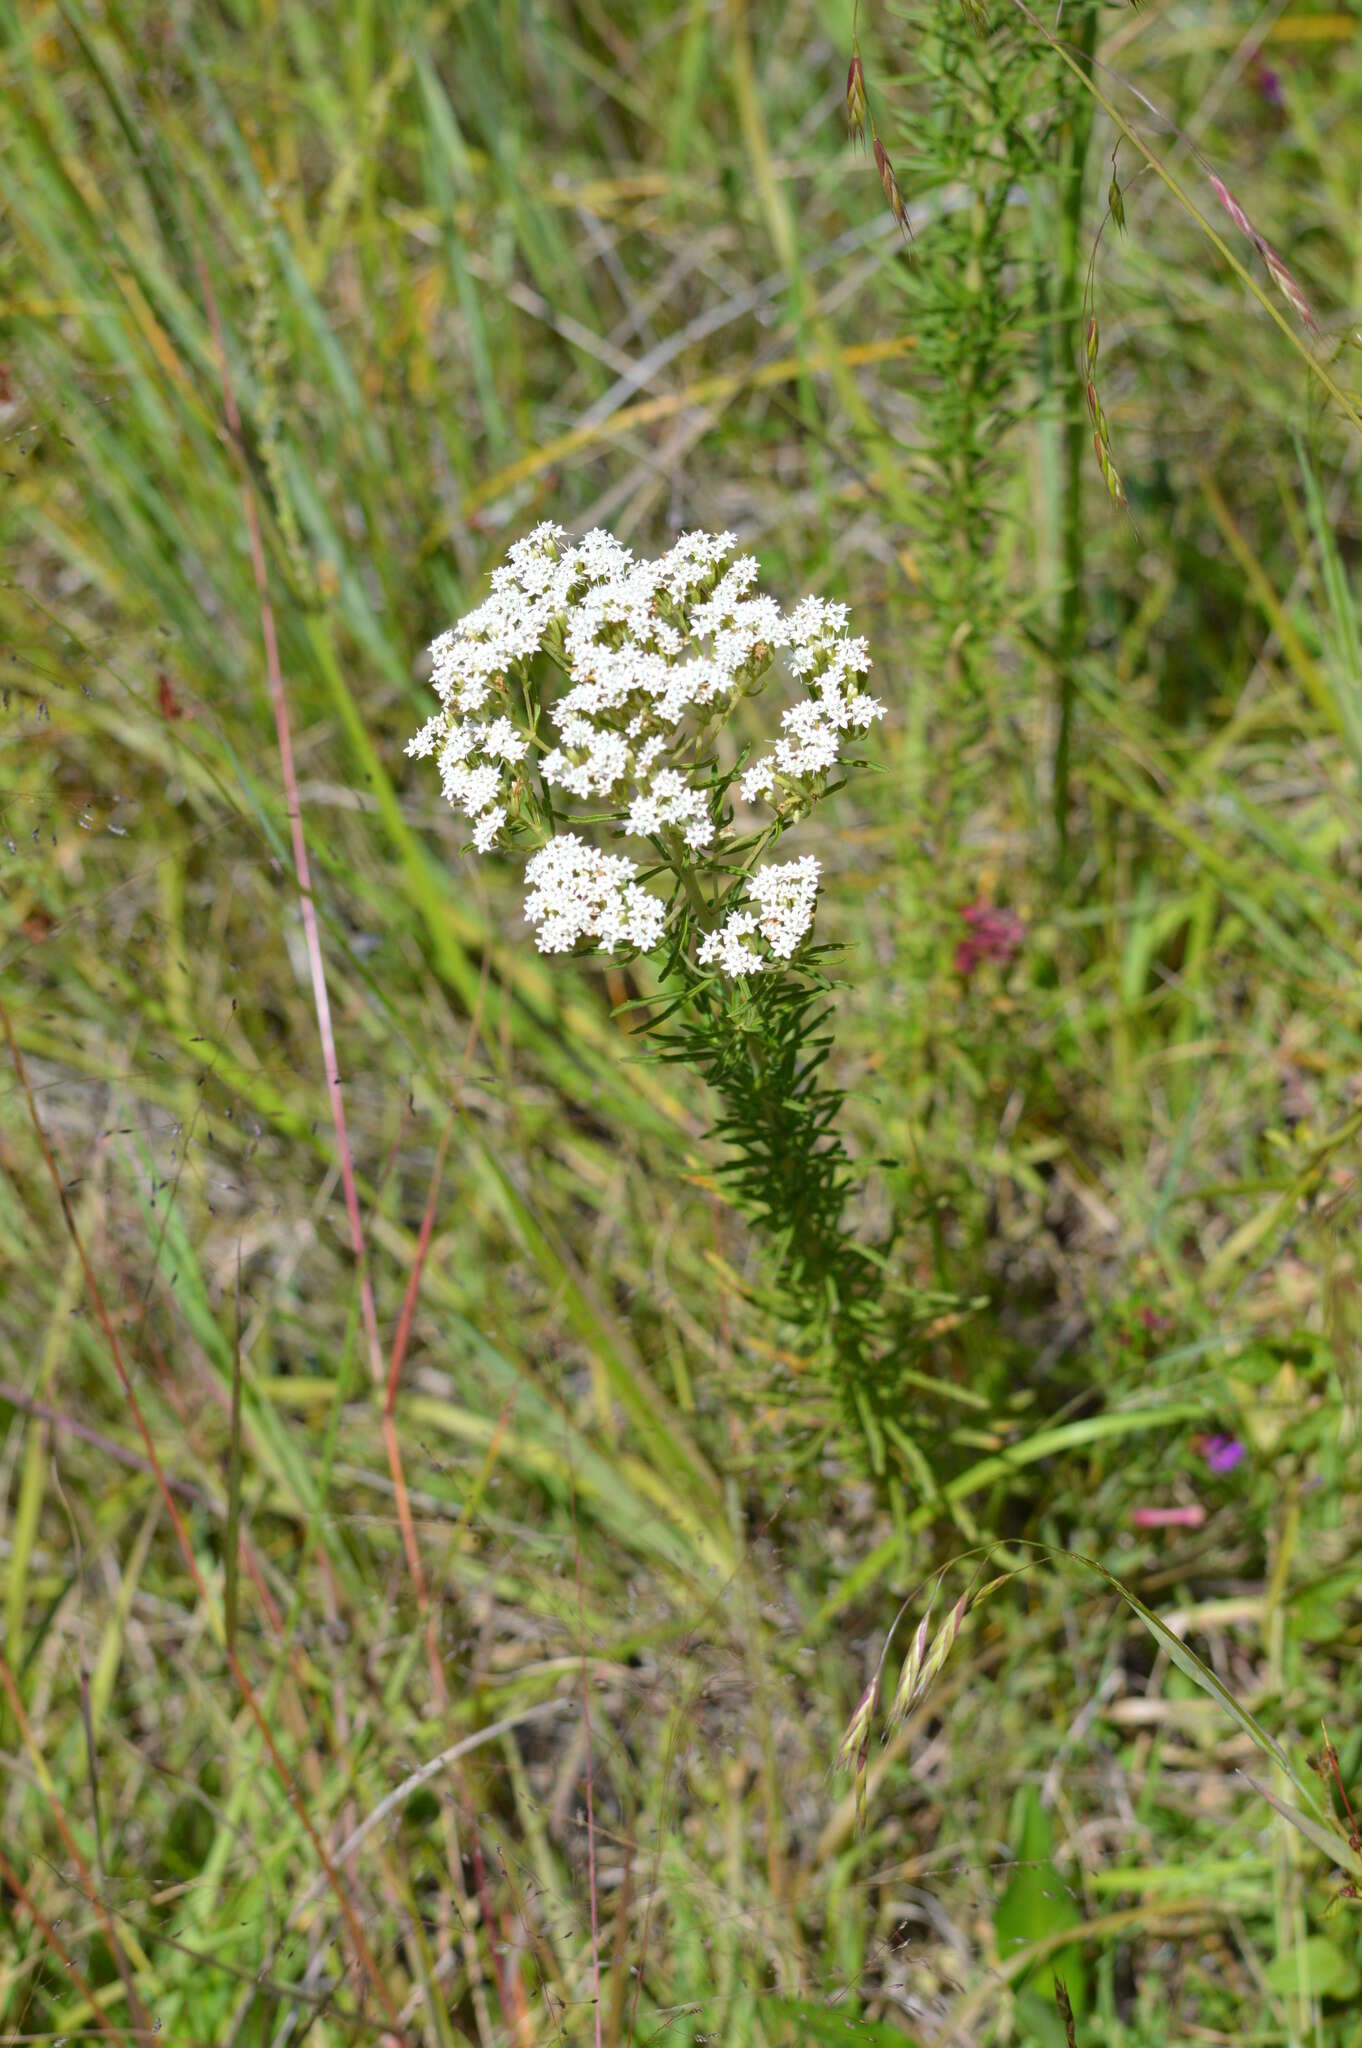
point(1072, 606)
point(688, 879)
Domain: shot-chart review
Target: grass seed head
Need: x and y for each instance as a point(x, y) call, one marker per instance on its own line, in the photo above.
point(855, 1744)
point(1116, 490)
point(1116, 204)
point(890, 183)
point(1101, 434)
point(858, 1728)
point(1276, 268)
point(856, 96)
point(910, 1678)
point(1288, 287)
point(1066, 2013)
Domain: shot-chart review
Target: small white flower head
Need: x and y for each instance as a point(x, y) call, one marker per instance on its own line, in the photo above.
point(577, 892)
point(752, 940)
point(733, 948)
point(671, 801)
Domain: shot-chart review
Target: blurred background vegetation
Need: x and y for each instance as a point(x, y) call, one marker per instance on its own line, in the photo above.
point(480, 264)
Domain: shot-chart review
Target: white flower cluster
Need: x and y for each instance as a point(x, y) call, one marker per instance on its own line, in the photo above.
point(577, 892)
point(785, 897)
point(655, 654)
point(822, 651)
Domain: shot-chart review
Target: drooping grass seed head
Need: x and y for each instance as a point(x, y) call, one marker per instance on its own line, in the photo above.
point(910, 1678)
point(892, 192)
point(1276, 268)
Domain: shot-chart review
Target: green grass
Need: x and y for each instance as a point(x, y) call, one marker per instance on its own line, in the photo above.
point(478, 266)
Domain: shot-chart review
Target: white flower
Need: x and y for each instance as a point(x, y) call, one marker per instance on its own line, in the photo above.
point(502, 741)
point(485, 829)
point(728, 948)
point(785, 898)
point(671, 801)
point(425, 742)
point(577, 892)
point(801, 759)
point(864, 710)
point(472, 789)
point(462, 739)
point(759, 780)
point(645, 816)
point(604, 762)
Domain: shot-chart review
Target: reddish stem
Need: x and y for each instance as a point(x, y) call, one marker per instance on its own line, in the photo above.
point(186, 1548)
point(321, 1000)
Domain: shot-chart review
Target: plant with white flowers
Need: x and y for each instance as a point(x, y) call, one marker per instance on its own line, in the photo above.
point(594, 717)
point(592, 690)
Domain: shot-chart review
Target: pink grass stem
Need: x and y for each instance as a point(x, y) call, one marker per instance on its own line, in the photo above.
point(301, 866)
point(590, 1776)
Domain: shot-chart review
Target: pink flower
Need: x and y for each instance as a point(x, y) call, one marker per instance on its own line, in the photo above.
point(993, 935)
point(1168, 1518)
point(1222, 1453)
point(1269, 85)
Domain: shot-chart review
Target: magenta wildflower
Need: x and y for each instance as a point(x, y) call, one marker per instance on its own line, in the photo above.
point(1222, 1453)
point(993, 935)
point(1168, 1518)
point(1269, 85)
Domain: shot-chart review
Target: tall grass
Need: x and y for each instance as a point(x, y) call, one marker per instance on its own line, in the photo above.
point(305, 1620)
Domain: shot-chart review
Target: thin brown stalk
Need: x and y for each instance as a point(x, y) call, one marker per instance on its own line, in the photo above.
point(590, 1804)
point(302, 870)
point(390, 1440)
point(1066, 2013)
point(16, 1397)
point(401, 1337)
point(317, 969)
point(55, 1943)
point(243, 1683)
point(391, 1445)
point(140, 2017)
point(497, 1932)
